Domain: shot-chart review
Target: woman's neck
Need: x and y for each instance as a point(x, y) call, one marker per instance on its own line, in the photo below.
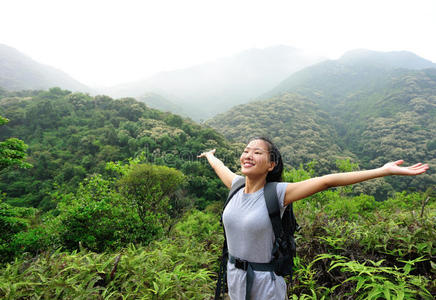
point(254, 184)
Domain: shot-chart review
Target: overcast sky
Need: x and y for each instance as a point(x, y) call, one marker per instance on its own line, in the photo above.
point(102, 43)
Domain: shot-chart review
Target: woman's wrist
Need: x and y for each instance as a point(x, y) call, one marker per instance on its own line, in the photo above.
point(383, 171)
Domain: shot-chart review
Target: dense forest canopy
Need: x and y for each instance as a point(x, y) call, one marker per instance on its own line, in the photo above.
point(71, 135)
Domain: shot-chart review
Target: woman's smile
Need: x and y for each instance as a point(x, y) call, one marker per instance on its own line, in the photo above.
point(248, 164)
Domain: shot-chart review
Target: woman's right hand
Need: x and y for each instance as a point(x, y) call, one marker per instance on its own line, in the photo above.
point(204, 154)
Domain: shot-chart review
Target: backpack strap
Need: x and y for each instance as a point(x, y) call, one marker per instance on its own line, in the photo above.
point(239, 183)
point(283, 227)
point(222, 274)
point(272, 204)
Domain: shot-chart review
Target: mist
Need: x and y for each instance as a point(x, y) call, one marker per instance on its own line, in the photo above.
point(210, 88)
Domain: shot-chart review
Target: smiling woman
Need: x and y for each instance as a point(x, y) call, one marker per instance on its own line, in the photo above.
point(247, 225)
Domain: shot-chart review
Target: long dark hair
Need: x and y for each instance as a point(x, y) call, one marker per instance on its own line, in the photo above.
point(275, 175)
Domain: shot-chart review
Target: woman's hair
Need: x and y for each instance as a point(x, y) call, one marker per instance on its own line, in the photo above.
point(275, 175)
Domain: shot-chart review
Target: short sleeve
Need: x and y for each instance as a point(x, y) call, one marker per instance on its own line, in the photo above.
point(236, 179)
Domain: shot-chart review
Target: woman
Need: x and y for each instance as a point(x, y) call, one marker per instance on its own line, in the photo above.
point(247, 225)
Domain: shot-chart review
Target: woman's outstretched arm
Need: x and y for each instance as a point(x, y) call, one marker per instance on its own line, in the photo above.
point(224, 173)
point(299, 190)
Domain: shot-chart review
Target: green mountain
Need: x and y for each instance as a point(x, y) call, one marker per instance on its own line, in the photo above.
point(393, 59)
point(20, 72)
point(210, 88)
point(375, 108)
point(72, 135)
point(156, 101)
point(332, 81)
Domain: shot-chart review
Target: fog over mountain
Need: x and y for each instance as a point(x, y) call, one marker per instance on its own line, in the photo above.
point(391, 59)
point(20, 72)
point(210, 88)
point(360, 69)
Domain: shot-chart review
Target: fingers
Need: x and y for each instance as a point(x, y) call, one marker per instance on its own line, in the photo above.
point(415, 169)
point(415, 166)
point(418, 168)
point(203, 154)
point(424, 167)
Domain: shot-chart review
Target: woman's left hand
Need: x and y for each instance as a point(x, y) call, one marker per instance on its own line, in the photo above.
point(393, 168)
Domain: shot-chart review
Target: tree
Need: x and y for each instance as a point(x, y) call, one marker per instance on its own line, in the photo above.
point(97, 218)
point(149, 188)
point(12, 151)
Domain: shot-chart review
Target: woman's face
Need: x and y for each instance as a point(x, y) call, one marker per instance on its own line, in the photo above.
point(255, 159)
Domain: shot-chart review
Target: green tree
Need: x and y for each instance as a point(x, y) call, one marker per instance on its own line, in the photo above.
point(97, 218)
point(149, 188)
point(12, 151)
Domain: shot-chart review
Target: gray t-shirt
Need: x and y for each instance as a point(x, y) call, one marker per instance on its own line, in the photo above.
point(250, 237)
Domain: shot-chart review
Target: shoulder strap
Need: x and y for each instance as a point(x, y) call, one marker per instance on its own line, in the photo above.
point(272, 204)
point(240, 183)
point(222, 281)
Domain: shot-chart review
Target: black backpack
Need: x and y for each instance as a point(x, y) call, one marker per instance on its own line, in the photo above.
point(284, 248)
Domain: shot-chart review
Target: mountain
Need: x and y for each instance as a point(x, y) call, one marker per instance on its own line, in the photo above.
point(332, 80)
point(20, 72)
point(156, 101)
point(376, 109)
point(207, 89)
point(392, 59)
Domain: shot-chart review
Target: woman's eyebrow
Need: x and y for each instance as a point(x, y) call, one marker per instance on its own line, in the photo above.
point(256, 149)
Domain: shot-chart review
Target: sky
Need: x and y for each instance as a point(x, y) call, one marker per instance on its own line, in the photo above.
point(104, 43)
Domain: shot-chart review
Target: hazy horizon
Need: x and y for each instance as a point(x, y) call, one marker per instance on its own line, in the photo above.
point(106, 43)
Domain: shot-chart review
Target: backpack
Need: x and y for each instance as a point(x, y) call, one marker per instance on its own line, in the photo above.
point(284, 248)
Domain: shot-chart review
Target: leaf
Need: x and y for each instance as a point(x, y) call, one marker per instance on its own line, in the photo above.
point(361, 281)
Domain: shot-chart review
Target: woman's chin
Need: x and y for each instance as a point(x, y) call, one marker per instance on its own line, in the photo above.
point(245, 171)
point(249, 172)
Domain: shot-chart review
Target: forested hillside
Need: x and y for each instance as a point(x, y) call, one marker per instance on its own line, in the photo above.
point(374, 113)
point(71, 135)
point(331, 81)
point(159, 102)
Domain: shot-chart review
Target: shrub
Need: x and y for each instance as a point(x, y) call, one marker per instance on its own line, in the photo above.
point(177, 267)
point(98, 218)
point(351, 208)
point(14, 223)
point(149, 188)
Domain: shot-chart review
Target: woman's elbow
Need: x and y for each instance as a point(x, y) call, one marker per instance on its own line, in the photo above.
point(326, 182)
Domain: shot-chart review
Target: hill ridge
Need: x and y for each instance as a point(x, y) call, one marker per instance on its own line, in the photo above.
point(20, 72)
